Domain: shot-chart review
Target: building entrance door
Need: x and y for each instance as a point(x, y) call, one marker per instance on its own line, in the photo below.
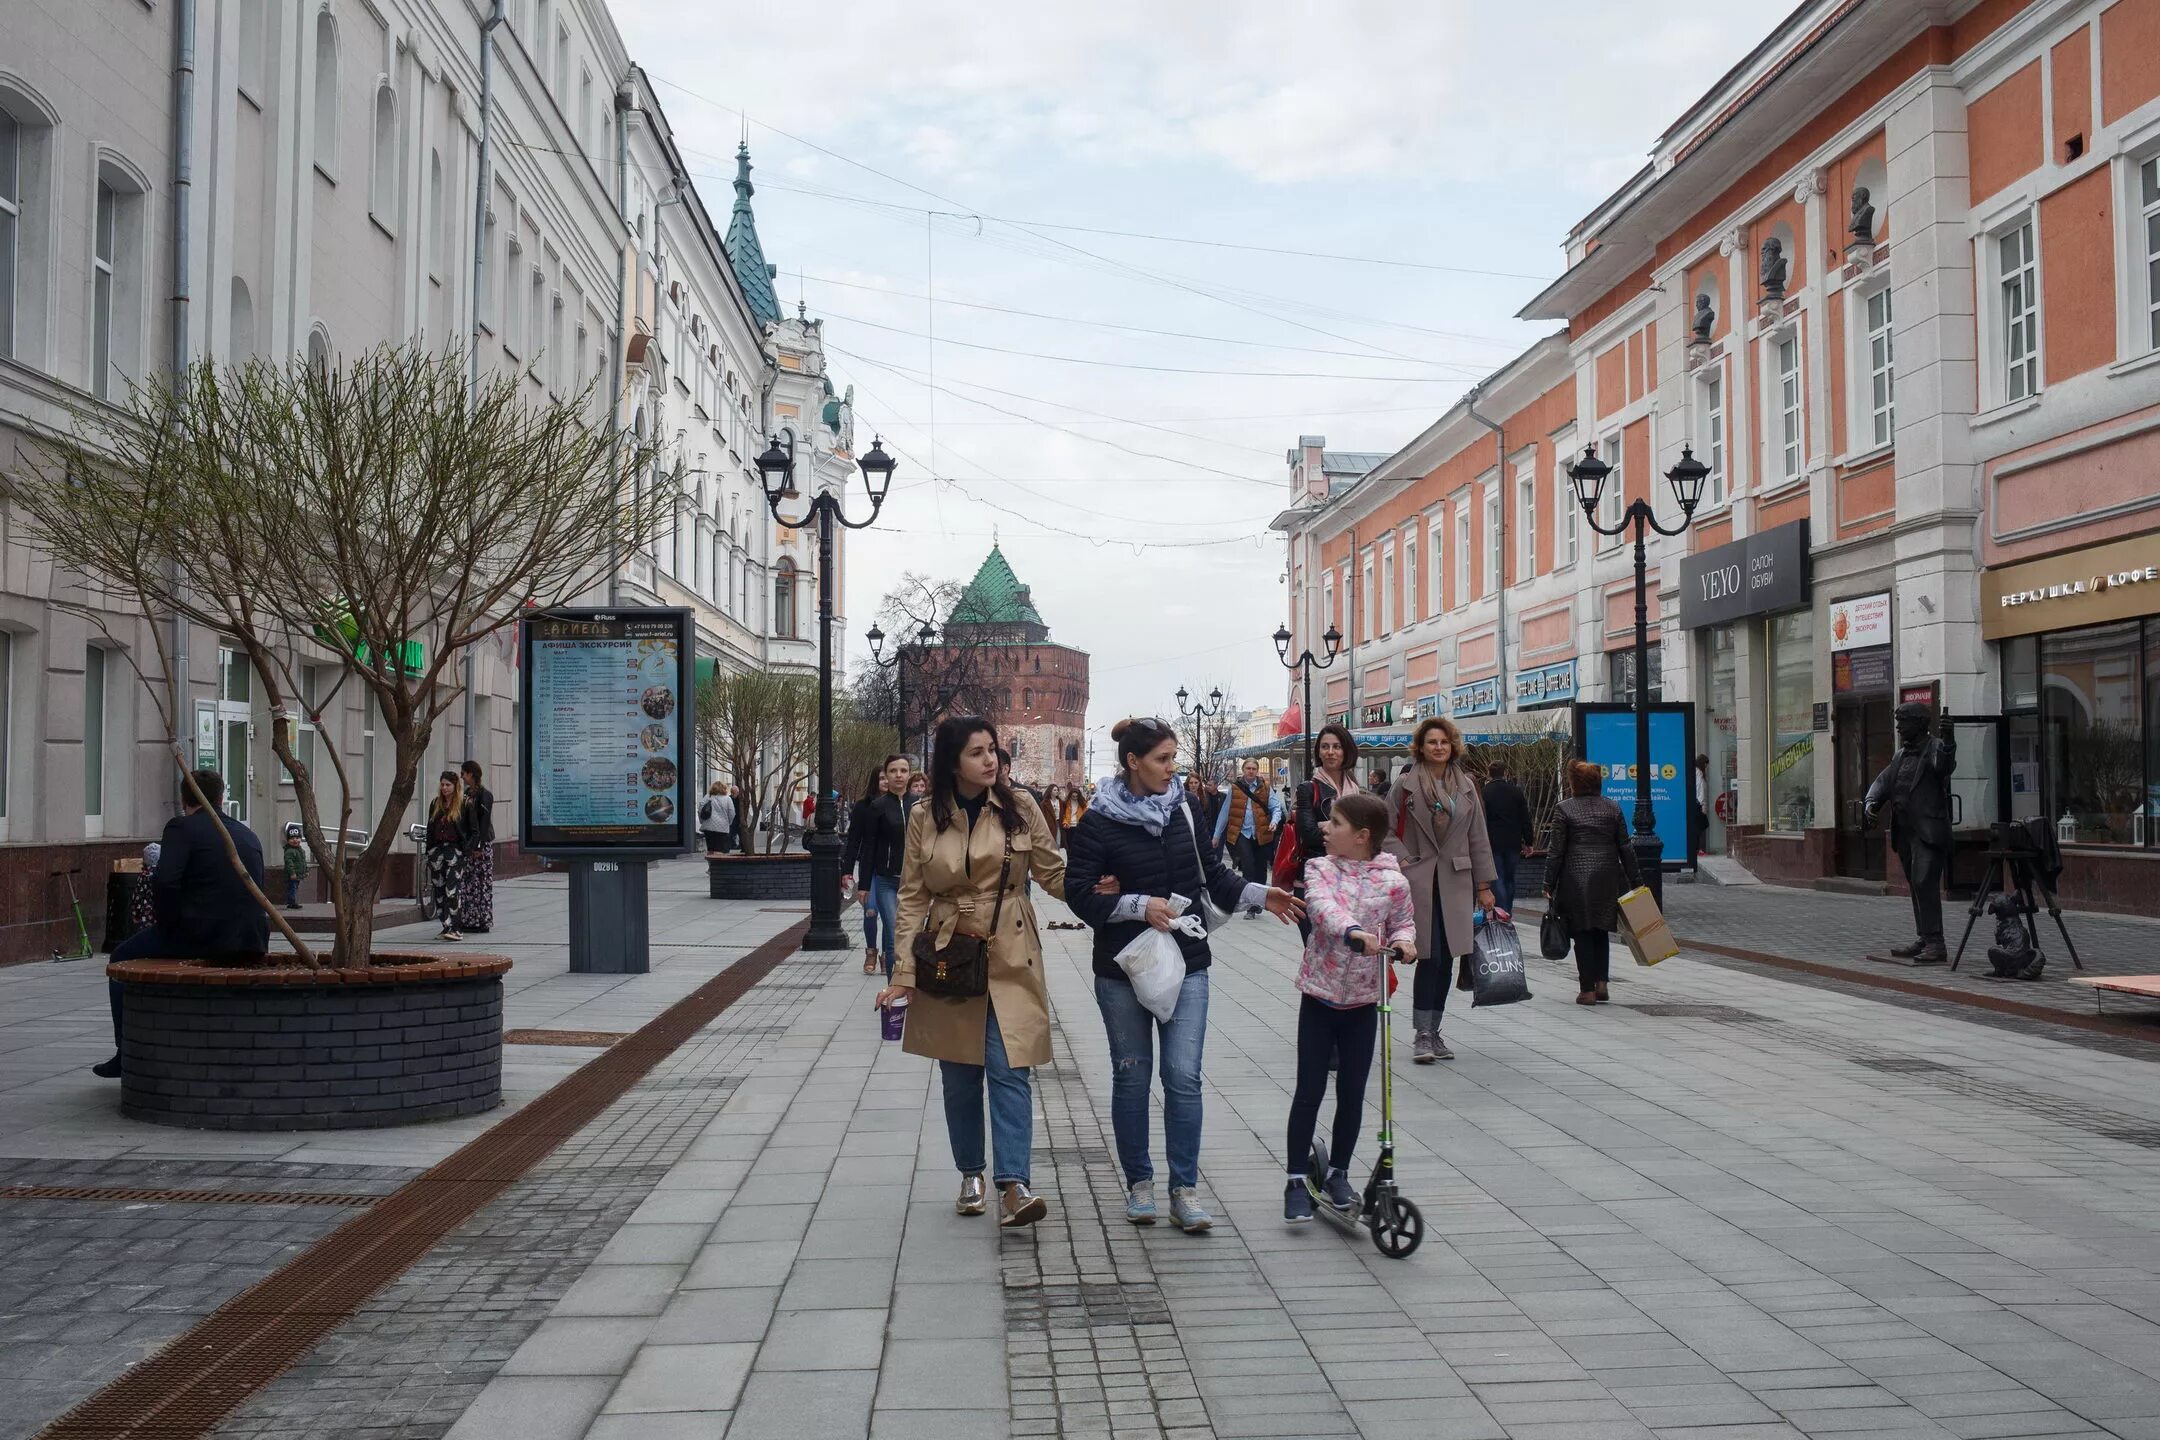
point(1863, 737)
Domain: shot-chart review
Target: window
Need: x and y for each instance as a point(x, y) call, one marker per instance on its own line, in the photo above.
point(2018, 285)
point(1712, 394)
point(1620, 673)
point(318, 350)
point(25, 246)
point(1526, 526)
point(93, 741)
point(784, 600)
point(1612, 500)
point(1366, 613)
point(513, 266)
point(311, 693)
point(1567, 516)
point(11, 147)
point(557, 360)
point(242, 343)
point(1493, 577)
point(1462, 552)
point(116, 282)
point(1327, 600)
point(536, 316)
point(383, 174)
point(1787, 370)
point(1410, 591)
point(1792, 722)
point(326, 95)
point(1387, 591)
point(251, 50)
point(7, 716)
point(2149, 246)
point(1436, 563)
point(438, 218)
point(1882, 397)
point(562, 65)
point(235, 680)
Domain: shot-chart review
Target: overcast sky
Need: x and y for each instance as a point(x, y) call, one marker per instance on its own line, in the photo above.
point(911, 148)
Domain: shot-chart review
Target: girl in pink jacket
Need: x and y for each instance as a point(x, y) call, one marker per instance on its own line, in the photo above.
point(1359, 905)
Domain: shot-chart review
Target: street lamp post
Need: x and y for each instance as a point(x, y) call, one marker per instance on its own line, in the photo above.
point(1199, 714)
point(777, 468)
point(1588, 475)
point(1307, 664)
point(876, 637)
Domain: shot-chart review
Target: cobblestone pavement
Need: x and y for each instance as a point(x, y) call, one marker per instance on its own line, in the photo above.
point(1840, 930)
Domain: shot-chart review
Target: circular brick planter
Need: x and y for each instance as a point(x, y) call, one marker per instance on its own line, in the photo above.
point(412, 1038)
point(759, 877)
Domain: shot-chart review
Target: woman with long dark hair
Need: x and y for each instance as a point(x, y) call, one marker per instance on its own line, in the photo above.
point(450, 831)
point(1334, 775)
point(1437, 832)
point(1141, 831)
point(476, 896)
point(871, 859)
point(968, 851)
point(1591, 863)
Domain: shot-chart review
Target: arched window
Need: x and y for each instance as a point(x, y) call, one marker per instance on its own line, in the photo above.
point(383, 176)
point(1027, 697)
point(242, 345)
point(319, 350)
point(784, 600)
point(26, 259)
point(117, 246)
point(326, 94)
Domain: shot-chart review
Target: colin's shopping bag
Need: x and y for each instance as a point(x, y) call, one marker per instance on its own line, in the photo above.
point(1497, 976)
point(1644, 928)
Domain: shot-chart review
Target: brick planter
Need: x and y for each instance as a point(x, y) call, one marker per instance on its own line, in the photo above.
point(758, 877)
point(416, 1037)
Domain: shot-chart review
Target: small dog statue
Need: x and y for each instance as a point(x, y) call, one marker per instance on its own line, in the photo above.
point(2013, 954)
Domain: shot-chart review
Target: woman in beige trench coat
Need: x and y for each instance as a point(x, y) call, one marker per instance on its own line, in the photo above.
point(976, 839)
point(1437, 833)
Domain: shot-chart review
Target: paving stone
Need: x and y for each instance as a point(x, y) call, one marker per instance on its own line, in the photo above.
point(573, 1346)
point(532, 1407)
point(699, 1317)
point(682, 1377)
point(781, 1404)
point(824, 1340)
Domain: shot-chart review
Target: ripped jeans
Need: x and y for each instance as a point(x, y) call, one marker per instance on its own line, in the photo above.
point(1131, 1029)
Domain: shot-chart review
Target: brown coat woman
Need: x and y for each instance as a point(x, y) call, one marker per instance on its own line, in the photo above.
point(950, 884)
point(1436, 826)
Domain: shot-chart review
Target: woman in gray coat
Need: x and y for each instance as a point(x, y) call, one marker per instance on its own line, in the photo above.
point(1588, 858)
point(1436, 828)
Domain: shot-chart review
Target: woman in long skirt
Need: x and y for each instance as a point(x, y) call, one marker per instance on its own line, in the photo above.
point(476, 912)
point(449, 838)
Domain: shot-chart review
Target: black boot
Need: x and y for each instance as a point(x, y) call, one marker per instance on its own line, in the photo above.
point(1906, 952)
point(1932, 951)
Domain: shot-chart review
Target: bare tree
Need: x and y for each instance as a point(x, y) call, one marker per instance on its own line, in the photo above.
point(374, 516)
point(953, 675)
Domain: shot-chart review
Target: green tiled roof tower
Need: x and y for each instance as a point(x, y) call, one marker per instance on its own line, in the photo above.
point(996, 600)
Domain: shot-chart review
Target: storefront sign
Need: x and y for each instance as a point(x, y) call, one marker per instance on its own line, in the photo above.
point(2086, 587)
point(1381, 714)
point(1546, 685)
point(1605, 736)
point(1479, 697)
point(1340, 717)
point(1861, 622)
point(1431, 705)
point(1861, 672)
point(1926, 692)
point(1822, 717)
point(606, 753)
point(1758, 575)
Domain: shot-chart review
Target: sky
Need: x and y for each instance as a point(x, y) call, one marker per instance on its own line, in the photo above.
point(927, 170)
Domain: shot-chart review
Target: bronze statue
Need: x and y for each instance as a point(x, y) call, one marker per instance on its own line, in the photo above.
point(1773, 269)
point(1705, 317)
point(1916, 787)
point(1863, 217)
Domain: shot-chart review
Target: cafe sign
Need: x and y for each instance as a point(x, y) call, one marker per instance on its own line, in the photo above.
point(1545, 685)
point(1479, 697)
point(2108, 582)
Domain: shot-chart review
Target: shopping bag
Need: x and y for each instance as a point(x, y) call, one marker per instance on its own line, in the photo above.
point(1155, 965)
point(1497, 976)
point(1644, 928)
point(1553, 938)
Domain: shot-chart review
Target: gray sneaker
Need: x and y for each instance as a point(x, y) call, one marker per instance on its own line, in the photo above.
point(1439, 1048)
point(1421, 1046)
point(1185, 1210)
point(1140, 1202)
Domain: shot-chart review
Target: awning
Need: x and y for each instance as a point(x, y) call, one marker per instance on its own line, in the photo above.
point(1524, 728)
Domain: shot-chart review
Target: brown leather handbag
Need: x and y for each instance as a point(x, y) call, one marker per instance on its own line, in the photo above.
point(960, 970)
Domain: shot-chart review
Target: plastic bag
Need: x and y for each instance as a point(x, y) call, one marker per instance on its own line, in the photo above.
point(1156, 966)
point(1497, 976)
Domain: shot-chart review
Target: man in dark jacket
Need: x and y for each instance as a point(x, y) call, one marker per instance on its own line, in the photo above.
point(1507, 826)
point(201, 908)
point(871, 860)
point(1915, 785)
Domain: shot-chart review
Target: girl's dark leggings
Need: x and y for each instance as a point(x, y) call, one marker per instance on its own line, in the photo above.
point(1346, 1036)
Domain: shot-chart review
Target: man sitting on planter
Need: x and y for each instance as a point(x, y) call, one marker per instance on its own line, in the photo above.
point(201, 908)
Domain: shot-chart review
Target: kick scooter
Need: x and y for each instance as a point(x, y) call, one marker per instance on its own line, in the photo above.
point(1397, 1225)
point(83, 949)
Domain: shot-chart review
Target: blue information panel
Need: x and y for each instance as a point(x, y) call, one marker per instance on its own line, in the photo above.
point(1607, 740)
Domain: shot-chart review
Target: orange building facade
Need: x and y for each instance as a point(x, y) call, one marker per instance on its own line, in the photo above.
point(1896, 280)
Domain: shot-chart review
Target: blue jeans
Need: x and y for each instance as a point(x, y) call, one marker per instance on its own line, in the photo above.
point(1012, 1109)
point(1504, 862)
point(881, 903)
point(1131, 1029)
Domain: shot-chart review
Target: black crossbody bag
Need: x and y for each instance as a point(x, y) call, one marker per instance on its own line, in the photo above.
point(961, 970)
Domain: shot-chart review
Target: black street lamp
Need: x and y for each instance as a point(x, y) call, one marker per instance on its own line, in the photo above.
point(1306, 663)
point(777, 468)
point(1588, 475)
point(1199, 714)
point(923, 637)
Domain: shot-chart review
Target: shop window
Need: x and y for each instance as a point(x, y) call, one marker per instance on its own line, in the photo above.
point(1881, 374)
point(2094, 746)
point(1791, 759)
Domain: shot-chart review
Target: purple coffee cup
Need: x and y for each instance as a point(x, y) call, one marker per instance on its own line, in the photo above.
point(892, 1019)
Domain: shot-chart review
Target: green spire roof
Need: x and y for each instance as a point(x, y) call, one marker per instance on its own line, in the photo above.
point(996, 597)
point(744, 251)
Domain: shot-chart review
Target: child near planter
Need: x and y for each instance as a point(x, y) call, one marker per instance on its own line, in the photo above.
point(295, 865)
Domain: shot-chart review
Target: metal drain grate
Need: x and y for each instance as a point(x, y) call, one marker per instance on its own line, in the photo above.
point(1681, 1010)
point(1904, 1065)
point(186, 1390)
point(599, 1038)
point(178, 1197)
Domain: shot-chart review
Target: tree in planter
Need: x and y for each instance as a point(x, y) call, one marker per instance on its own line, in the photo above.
point(375, 517)
point(760, 726)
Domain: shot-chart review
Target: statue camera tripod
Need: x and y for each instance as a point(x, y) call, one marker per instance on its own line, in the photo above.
point(2020, 863)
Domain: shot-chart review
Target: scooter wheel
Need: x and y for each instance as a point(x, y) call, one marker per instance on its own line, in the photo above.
point(1398, 1228)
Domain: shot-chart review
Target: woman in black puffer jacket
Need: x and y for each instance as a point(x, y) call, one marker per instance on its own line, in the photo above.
point(1588, 858)
point(1141, 832)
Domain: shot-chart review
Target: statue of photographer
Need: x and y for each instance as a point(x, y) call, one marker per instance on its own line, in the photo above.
point(1916, 787)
